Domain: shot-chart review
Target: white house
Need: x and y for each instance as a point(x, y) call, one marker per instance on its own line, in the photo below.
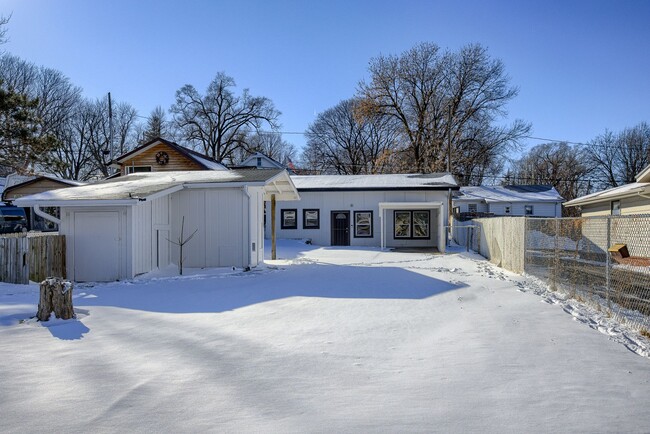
point(119, 228)
point(403, 210)
point(509, 200)
point(261, 161)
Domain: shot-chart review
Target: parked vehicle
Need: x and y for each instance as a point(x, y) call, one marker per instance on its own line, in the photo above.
point(12, 219)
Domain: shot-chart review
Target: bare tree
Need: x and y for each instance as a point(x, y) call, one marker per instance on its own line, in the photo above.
point(3, 28)
point(341, 141)
point(270, 144)
point(219, 121)
point(156, 126)
point(438, 97)
point(618, 157)
point(557, 164)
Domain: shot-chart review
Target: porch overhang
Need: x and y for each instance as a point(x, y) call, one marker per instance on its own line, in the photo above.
point(434, 205)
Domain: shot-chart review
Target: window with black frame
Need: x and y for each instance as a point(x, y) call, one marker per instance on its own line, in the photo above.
point(289, 219)
point(363, 224)
point(412, 224)
point(310, 219)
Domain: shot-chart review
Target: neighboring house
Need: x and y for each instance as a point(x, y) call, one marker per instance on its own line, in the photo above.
point(119, 228)
point(368, 210)
point(261, 161)
point(626, 199)
point(18, 186)
point(160, 155)
point(508, 200)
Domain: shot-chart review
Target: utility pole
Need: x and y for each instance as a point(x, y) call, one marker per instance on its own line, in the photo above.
point(449, 203)
point(110, 127)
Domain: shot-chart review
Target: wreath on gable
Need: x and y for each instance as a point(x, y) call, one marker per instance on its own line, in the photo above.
point(162, 158)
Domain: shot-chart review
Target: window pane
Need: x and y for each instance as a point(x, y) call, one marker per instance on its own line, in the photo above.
point(528, 209)
point(289, 219)
point(421, 224)
point(311, 218)
point(402, 224)
point(363, 224)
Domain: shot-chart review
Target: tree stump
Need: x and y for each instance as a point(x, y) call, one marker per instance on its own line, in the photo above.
point(56, 296)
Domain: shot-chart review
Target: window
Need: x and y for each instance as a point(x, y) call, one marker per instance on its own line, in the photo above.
point(507, 210)
point(528, 210)
point(412, 224)
point(289, 219)
point(136, 169)
point(259, 162)
point(616, 207)
point(402, 224)
point(363, 224)
point(310, 219)
point(472, 207)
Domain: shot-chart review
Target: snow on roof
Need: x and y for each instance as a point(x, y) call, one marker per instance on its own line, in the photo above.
point(209, 164)
point(612, 193)
point(374, 182)
point(510, 193)
point(142, 185)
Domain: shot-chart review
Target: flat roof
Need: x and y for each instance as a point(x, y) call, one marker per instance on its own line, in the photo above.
point(414, 181)
point(510, 193)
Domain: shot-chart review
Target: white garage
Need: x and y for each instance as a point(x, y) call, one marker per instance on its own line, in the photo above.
point(120, 228)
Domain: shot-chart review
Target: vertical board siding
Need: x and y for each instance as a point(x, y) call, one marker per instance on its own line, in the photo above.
point(32, 258)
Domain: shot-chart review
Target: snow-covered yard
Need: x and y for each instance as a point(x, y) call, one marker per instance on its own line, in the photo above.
point(326, 340)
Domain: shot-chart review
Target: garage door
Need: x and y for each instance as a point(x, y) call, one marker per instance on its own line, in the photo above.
point(96, 246)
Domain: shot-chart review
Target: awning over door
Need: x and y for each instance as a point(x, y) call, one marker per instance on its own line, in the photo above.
point(383, 206)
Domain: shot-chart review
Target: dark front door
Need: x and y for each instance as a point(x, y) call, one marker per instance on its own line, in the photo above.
point(340, 228)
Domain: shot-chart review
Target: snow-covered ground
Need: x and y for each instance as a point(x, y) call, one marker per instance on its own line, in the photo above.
point(324, 340)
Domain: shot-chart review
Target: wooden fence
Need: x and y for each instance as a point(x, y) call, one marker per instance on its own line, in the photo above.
point(33, 257)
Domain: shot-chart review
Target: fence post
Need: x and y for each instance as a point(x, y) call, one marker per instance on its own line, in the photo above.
point(608, 261)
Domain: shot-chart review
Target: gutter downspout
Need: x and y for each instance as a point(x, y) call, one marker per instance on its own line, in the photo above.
point(39, 212)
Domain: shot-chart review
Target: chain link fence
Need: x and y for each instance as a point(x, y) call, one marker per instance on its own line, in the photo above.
point(603, 261)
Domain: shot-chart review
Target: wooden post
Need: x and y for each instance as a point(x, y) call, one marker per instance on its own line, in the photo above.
point(56, 296)
point(273, 246)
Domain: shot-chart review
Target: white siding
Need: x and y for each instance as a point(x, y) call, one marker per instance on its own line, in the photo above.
point(464, 206)
point(540, 209)
point(221, 219)
point(93, 271)
point(256, 228)
point(141, 237)
point(329, 201)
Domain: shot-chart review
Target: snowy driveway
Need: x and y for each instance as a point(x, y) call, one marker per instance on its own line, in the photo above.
point(335, 340)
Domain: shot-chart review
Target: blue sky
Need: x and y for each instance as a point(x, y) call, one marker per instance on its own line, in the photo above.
point(581, 66)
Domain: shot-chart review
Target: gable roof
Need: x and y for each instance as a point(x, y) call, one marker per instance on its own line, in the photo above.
point(509, 194)
point(15, 182)
point(431, 181)
point(644, 175)
point(205, 162)
point(140, 187)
